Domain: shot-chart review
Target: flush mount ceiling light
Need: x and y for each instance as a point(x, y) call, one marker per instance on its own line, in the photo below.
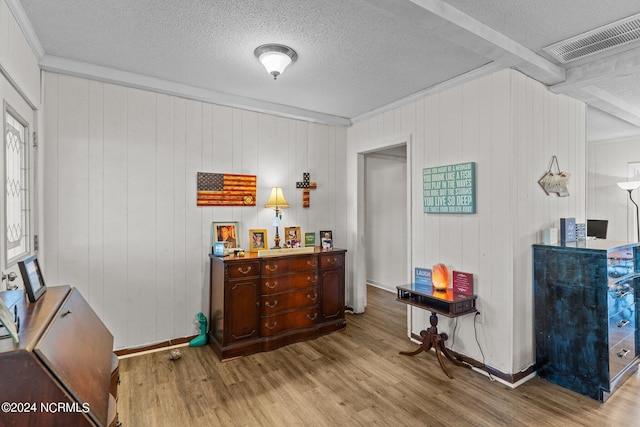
point(275, 58)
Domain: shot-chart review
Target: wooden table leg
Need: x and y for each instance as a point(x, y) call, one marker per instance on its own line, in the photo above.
point(431, 338)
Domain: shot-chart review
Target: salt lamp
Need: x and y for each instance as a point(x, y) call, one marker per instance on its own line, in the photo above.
point(440, 277)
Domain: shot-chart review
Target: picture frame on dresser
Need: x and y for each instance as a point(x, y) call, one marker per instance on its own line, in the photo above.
point(257, 239)
point(228, 232)
point(34, 284)
point(292, 236)
point(326, 240)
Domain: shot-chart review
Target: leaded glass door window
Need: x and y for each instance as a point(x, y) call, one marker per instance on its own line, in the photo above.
point(16, 135)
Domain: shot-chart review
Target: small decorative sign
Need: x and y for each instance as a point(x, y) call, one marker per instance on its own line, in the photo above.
point(555, 182)
point(462, 283)
point(423, 276)
point(309, 239)
point(567, 230)
point(450, 189)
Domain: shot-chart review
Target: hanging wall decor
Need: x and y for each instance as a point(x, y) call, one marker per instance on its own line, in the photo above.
point(555, 182)
point(218, 189)
point(306, 185)
point(450, 189)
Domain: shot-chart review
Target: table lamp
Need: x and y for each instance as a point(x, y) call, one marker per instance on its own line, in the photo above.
point(278, 202)
point(630, 186)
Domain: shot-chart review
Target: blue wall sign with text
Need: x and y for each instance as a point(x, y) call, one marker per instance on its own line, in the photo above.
point(450, 189)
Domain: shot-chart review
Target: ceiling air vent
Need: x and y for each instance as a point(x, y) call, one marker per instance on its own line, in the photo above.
point(616, 34)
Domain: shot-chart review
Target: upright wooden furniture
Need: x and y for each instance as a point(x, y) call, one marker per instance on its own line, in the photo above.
point(445, 302)
point(59, 374)
point(586, 312)
point(260, 304)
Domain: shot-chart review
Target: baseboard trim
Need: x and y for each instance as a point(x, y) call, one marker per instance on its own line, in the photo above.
point(510, 380)
point(164, 345)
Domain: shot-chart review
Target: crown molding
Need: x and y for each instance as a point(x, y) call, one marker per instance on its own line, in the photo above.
point(111, 75)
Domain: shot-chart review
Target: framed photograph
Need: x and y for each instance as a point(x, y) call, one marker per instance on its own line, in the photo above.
point(326, 240)
point(292, 236)
point(227, 232)
point(32, 277)
point(257, 239)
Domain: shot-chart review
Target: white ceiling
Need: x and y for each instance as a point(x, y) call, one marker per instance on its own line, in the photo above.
point(355, 58)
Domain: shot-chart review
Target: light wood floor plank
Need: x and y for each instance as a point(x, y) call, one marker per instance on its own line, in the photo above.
point(353, 377)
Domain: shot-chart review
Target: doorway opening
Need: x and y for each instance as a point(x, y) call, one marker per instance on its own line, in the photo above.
point(371, 193)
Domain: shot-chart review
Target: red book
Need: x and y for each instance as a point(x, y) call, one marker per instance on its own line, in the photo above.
point(462, 283)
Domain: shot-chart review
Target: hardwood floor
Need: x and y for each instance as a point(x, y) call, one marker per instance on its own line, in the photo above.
point(352, 377)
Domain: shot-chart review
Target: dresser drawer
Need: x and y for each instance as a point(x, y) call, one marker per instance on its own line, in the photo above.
point(241, 270)
point(331, 261)
point(622, 354)
point(621, 324)
point(276, 303)
point(278, 284)
point(304, 263)
point(619, 297)
point(271, 267)
point(272, 325)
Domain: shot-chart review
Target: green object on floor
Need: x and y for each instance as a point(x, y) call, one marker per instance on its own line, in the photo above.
point(201, 339)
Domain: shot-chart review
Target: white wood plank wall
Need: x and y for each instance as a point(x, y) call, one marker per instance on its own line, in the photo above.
point(121, 222)
point(17, 59)
point(510, 126)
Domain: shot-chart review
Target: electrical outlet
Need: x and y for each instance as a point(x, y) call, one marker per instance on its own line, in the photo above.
point(479, 317)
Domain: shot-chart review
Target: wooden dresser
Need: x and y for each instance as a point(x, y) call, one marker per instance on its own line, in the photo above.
point(586, 315)
point(62, 370)
point(260, 304)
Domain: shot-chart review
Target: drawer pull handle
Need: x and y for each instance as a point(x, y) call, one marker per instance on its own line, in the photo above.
point(332, 260)
point(309, 279)
point(312, 316)
point(623, 323)
point(241, 270)
point(66, 312)
point(622, 353)
point(266, 325)
point(270, 268)
point(270, 286)
point(312, 263)
point(312, 298)
point(271, 305)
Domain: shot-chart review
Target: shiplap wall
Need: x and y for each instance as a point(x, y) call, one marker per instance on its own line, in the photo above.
point(121, 222)
point(17, 59)
point(607, 164)
point(510, 126)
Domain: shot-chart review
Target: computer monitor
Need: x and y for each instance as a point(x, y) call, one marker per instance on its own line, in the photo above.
point(597, 228)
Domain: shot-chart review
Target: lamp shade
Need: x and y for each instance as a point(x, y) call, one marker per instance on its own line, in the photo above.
point(274, 62)
point(275, 58)
point(629, 185)
point(276, 199)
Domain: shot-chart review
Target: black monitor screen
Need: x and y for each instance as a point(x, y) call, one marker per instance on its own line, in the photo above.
point(597, 228)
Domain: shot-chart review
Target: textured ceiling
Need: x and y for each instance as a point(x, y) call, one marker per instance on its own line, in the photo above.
point(355, 57)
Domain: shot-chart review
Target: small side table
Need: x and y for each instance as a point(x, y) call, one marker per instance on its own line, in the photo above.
point(446, 303)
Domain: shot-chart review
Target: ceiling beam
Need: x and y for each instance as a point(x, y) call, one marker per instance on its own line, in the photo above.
point(450, 24)
point(582, 81)
point(600, 70)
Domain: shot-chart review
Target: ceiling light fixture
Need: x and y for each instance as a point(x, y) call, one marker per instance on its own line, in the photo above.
point(275, 58)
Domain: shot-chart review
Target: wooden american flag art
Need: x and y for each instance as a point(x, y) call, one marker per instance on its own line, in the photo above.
point(218, 189)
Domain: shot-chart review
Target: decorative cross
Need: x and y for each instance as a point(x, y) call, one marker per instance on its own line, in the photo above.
point(306, 185)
